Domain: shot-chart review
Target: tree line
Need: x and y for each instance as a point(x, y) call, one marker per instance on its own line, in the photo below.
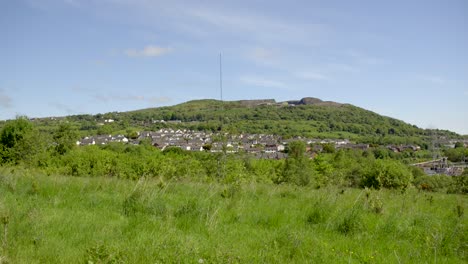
point(55, 152)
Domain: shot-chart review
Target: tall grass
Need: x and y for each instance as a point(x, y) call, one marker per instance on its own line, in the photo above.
point(57, 219)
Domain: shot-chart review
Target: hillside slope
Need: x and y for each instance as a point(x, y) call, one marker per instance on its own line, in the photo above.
point(308, 117)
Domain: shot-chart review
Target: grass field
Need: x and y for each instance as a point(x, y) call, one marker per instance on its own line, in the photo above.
point(58, 219)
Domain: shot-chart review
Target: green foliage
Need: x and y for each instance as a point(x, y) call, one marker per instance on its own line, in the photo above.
point(374, 202)
point(460, 183)
point(296, 149)
point(21, 142)
point(347, 168)
point(456, 154)
point(387, 174)
point(318, 213)
point(173, 151)
point(14, 131)
point(266, 171)
point(382, 153)
point(100, 253)
point(323, 169)
point(297, 167)
point(320, 121)
point(351, 222)
point(328, 148)
point(230, 191)
point(65, 138)
point(131, 133)
point(434, 182)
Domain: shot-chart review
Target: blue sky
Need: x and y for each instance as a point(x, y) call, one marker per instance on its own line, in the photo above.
point(404, 59)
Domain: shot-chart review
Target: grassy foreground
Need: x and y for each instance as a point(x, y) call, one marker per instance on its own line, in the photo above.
point(58, 219)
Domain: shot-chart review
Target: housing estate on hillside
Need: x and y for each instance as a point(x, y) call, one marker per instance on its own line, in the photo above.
point(260, 145)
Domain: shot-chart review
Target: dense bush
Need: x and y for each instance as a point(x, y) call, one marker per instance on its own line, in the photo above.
point(387, 174)
point(460, 183)
point(456, 154)
point(434, 182)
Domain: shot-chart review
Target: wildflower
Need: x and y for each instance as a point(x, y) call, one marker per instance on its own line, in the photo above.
point(200, 261)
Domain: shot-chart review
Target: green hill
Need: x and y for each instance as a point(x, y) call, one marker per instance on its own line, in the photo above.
point(308, 117)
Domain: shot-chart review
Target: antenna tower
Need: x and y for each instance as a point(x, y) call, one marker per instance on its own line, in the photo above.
point(221, 76)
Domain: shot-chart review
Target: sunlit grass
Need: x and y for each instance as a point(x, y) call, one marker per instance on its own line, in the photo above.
point(57, 219)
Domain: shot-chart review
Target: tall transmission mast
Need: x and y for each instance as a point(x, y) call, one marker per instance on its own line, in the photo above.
point(222, 158)
point(221, 76)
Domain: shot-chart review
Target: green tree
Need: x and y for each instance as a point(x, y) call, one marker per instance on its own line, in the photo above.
point(21, 142)
point(131, 133)
point(14, 131)
point(328, 148)
point(297, 168)
point(323, 170)
point(65, 138)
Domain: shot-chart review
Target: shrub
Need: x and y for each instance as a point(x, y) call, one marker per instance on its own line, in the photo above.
point(319, 213)
point(374, 202)
point(188, 209)
point(132, 204)
point(141, 202)
point(103, 254)
point(350, 223)
point(387, 174)
point(433, 183)
point(459, 184)
point(288, 243)
point(231, 190)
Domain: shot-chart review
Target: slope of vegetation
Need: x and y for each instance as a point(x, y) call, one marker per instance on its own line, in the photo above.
point(315, 121)
point(119, 203)
point(337, 121)
point(57, 219)
point(22, 144)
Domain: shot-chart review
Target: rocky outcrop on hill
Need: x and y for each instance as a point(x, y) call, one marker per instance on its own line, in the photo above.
point(309, 101)
point(312, 101)
point(303, 101)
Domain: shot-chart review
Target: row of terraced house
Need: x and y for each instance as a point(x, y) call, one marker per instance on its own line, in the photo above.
point(262, 145)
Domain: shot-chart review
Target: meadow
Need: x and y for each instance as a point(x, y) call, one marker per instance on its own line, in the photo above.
point(66, 219)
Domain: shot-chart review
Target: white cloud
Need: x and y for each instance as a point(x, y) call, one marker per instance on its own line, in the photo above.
point(148, 51)
point(5, 100)
point(263, 82)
